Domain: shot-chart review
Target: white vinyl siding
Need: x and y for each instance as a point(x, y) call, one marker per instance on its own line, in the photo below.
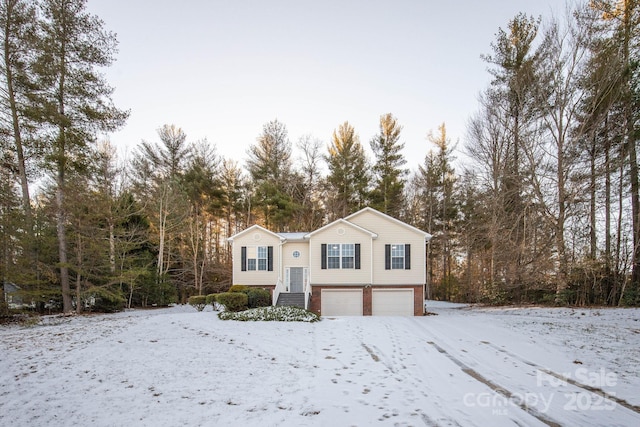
point(340, 234)
point(288, 258)
point(393, 233)
point(254, 275)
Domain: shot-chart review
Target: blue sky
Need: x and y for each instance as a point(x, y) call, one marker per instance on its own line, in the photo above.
point(220, 69)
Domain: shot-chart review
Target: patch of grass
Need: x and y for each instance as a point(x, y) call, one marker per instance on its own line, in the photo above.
point(276, 314)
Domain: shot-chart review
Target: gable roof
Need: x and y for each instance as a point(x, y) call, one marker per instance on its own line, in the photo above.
point(302, 236)
point(254, 227)
point(343, 221)
point(426, 235)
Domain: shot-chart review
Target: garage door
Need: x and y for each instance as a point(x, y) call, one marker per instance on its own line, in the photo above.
point(392, 302)
point(341, 302)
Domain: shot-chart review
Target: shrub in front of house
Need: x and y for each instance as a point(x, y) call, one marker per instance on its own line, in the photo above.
point(212, 300)
point(272, 313)
point(258, 297)
point(199, 302)
point(238, 288)
point(233, 301)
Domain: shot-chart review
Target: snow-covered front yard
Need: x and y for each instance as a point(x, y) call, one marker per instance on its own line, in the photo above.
point(465, 366)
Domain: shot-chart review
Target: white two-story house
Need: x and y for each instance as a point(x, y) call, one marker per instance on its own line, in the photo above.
point(365, 264)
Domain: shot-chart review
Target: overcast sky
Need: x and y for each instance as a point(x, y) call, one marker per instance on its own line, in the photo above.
point(221, 69)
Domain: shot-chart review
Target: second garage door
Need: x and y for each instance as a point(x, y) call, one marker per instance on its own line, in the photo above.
point(392, 302)
point(341, 302)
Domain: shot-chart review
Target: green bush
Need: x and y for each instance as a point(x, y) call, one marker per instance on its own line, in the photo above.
point(233, 301)
point(238, 288)
point(105, 300)
point(258, 297)
point(631, 297)
point(199, 302)
point(212, 300)
point(4, 308)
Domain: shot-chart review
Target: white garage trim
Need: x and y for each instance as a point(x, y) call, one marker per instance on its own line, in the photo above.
point(392, 302)
point(341, 302)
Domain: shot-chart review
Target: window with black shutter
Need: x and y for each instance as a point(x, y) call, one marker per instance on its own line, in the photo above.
point(340, 256)
point(256, 258)
point(397, 257)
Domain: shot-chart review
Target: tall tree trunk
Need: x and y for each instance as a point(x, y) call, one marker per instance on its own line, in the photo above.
point(607, 198)
point(15, 121)
point(162, 225)
point(561, 284)
point(620, 263)
point(61, 231)
point(608, 270)
point(61, 216)
point(79, 304)
point(631, 145)
point(112, 246)
point(592, 201)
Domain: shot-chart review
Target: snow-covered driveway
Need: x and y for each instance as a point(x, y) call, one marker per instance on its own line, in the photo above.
point(467, 367)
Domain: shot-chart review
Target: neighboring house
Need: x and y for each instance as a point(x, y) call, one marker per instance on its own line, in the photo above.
point(11, 294)
point(365, 264)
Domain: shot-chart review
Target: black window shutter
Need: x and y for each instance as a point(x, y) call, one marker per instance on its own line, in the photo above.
point(269, 258)
point(243, 258)
point(387, 257)
point(323, 255)
point(407, 257)
point(357, 260)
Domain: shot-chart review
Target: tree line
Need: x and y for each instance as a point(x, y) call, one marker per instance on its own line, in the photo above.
point(546, 209)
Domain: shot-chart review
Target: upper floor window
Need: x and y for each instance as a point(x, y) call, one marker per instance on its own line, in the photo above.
point(340, 256)
point(348, 255)
point(333, 256)
point(397, 257)
point(257, 258)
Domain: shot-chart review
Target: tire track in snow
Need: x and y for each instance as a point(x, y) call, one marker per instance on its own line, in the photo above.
point(497, 388)
point(507, 394)
point(591, 389)
point(518, 360)
point(395, 357)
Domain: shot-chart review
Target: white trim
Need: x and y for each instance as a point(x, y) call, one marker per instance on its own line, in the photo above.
point(287, 279)
point(426, 235)
point(252, 228)
point(343, 221)
point(371, 262)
